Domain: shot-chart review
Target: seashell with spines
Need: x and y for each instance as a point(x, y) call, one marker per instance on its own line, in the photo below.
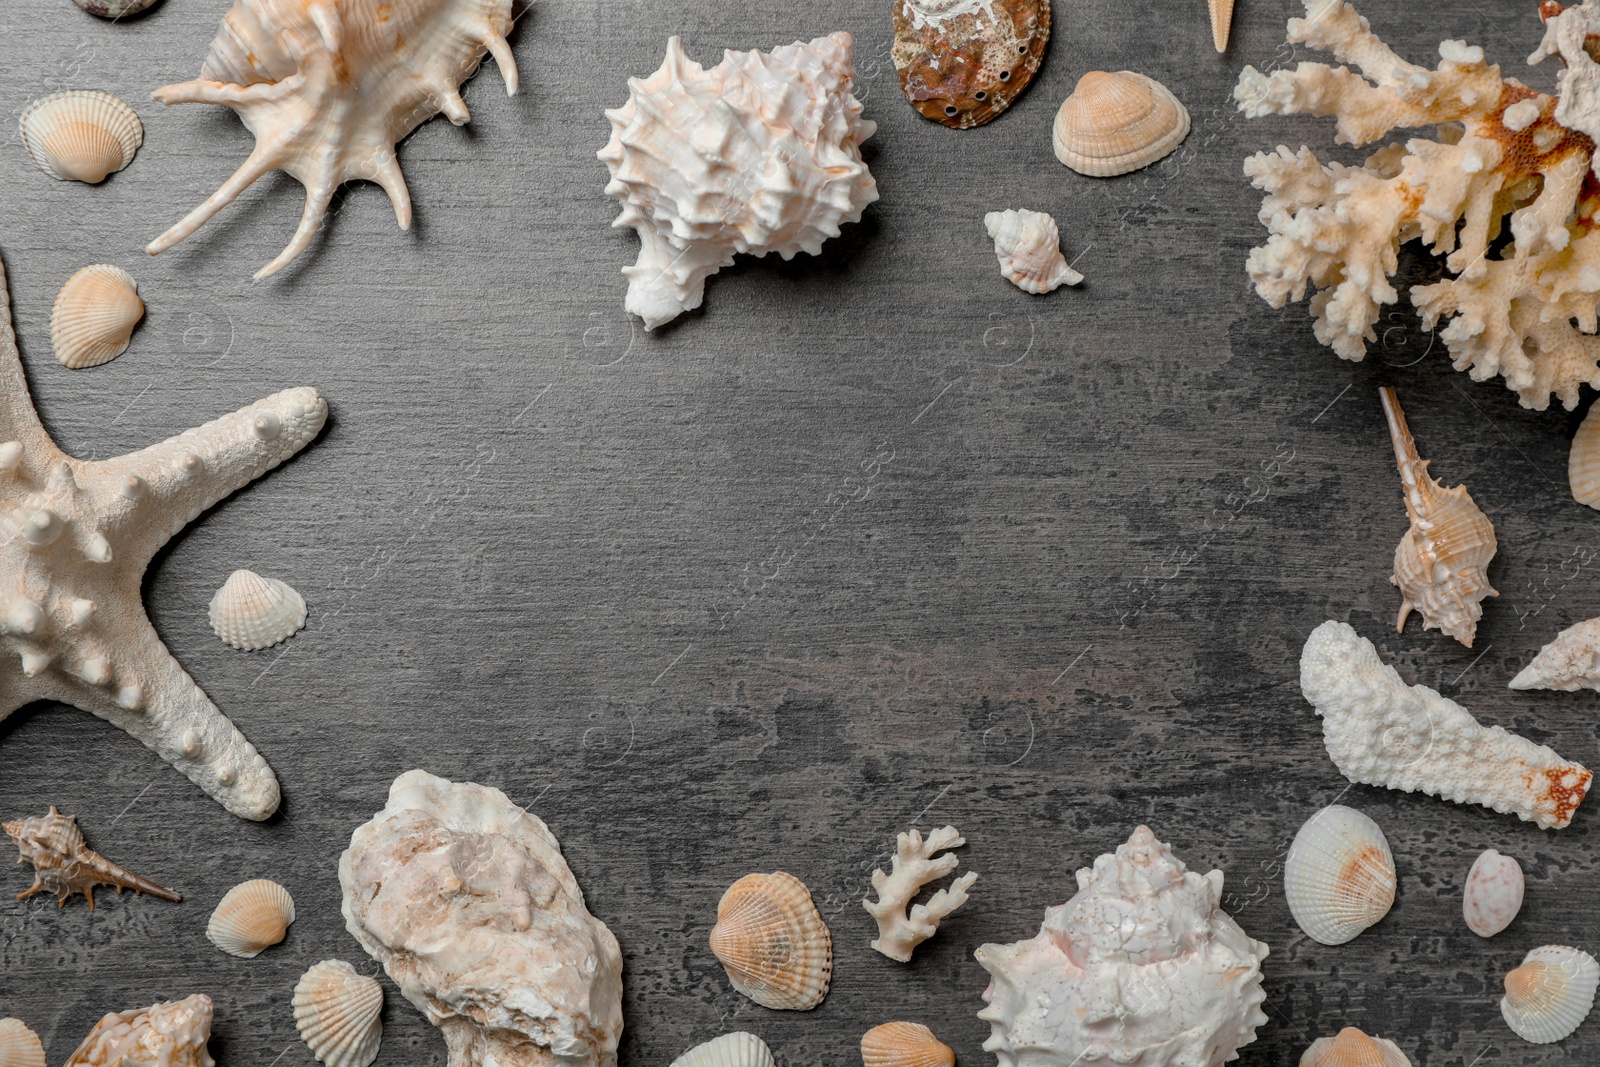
point(94, 316)
point(19, 1046)
point(1583, 460)
point(169, 1034)
point(1492, 896)
point(250, 612)
point(81, 135)
point(64, 864)
point(772, 941)
point(737, 1049)
point(1028, 246)
point(337, 1013)
point(963, 62)
point(1352, 1048)
point(250, 918)
point(1569, 663)
point(1339, 875)
point(1117, 122)
point(1549, 996)
point(904, 1045)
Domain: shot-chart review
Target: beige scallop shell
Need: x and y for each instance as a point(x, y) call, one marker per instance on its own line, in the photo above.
point(1116, 123)
point(737, 1049)
point(81, 135)
point(94, 316)
point(336, 1011)
point(250, 918)
point(1550, 995)
point(904, 1045)
point(19, 1046)
point(1352, 1048)
point(1583, 460)
point(1339, 875)
point(251, 612)
point(772, 942)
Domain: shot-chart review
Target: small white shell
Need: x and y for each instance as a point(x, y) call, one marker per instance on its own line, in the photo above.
point(81, 135)
point(336, 1011)
point(251, 612)
point(94, 316)
point(1493, 894)
point(252, 917)
point(1339, 875)
point(19, 1046)
point(1028, 246)
point(1550, 995)
point(737, 1049)
point(1352, 1048)
point(1114, 123)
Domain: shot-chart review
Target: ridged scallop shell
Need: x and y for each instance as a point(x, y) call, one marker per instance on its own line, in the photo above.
point(737, 1049)
point(94, 316)
point(19, 1046)
point(251, 917)
point(1583, 460)
point(1352, 1048)
point(250, 612)
point(772, 942)
point(1492, 896)
point(1339, 876)
point(904, 1045)
point(336, 1011)
point(81, 135)
point(963, 62)
point(1550, 995)
point(1116, 123)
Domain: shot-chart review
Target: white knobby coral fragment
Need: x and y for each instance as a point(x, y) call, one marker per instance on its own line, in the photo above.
point(1569, 663)
point(1028, 246)
point(1566, 34)
point(917, 862)
point(1381, 731)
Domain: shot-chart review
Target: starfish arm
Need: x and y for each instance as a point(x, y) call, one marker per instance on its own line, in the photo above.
point(24, 445)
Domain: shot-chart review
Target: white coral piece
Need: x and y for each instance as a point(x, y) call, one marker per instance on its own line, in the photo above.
point(1028, 246)
point(916, 863)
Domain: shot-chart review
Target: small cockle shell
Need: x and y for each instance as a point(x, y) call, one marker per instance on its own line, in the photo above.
point(250, 612)
point(19, 1046)
point(252, 917)
point(94, 316)
point(1339, 875)
point(1493, 893)
point(1550, 995)
point(1569, 663)
point(336, 1011)
point(1583, 460)
point(737, 1049)
point(1352, 1048)
point(81, 134)
point(1028, 246)
point(772, 942)
point(1116, 123)
point(904, 1045)
point(962, 62)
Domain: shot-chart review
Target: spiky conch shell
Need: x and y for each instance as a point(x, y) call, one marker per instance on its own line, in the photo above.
point(19, 1046)
point(772, 942)
point(250, 612)
point(81, 135)
point(94, 316)
point(1117, 122)
point(904, 1045)
point(1028, 246)
point(737, 1049)
point(251, 917)
point(1352, 1048)
point(337, 1013)
point(168, 1034)
point(64, 864)
point(1339, 875)
point(1550, 994)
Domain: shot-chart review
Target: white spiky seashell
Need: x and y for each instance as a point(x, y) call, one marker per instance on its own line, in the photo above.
point(250, 612)
point(1352, 1048)
point(1028, 246)
point(19, 1046)
point(1117, 122)
point(1339, 876)
point(250, 918)
point(1550, 995)
point(81, 135)
point(94, 316)
point(737, 1049)
point(1569, 663)
point(337, 1012)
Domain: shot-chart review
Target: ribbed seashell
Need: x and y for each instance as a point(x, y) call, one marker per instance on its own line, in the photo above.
point(772, 942)
point(94, 316)
point(1583, 460)
point(1492, 896)
point(962, 62)
point(81, 134)
point(904, 1045)
point(337, 1012)
point(737, 1049)
point(1221, 25)
point(1114, 123)
point(250, 612)
point(1339, 876)
point(1550, 995)
point(1352, 1048)
point(1569, 663)
point(250, 918)
point(1442, 563)
point(19, 1046)
point(1028, 246)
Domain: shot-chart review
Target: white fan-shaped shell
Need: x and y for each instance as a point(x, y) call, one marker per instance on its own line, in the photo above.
point(1492, 896)
point(336, 1011)
point(250, 918)
point(1339, 876)
point(1550, 995)
point(19, 1046)
point(94, 316)
point(1117, 122)
point(737, 1049)
point(1583, 460)
point(81, 134)
point(251, 612)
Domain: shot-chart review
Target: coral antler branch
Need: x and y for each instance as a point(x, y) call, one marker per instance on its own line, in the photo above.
point(915, 865)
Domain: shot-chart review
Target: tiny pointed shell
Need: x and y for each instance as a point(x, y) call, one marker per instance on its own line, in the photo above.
point(772, 942)
point(250, 612)
point(336, 1011)
point(1339, 876)
point(737, 1049)
point(1352, 1048)
point(1583, 460)
point(1550, 995)
point(81, 135)
point(251, 917)
point(1569, 663)
point(94, 316)
point(1221, 24)
point(1493, 894)
point(1114, 123)
point(904, 1045)
point(19, 1046)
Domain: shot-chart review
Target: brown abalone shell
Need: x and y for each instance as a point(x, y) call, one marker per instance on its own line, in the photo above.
point(962, 62)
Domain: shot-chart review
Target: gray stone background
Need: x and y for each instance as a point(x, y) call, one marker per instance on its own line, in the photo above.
point(874, 540)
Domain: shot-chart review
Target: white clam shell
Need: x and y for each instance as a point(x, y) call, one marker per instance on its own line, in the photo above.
point(94, 316)
point(250, 612)
point(337, 1011)
point(737, 1049)
point(1116, 122)
point(81, 135)
point(19, 1046)
point(1492, 895)
point(250, 918)
point(1549, 996)
point(1339, 876)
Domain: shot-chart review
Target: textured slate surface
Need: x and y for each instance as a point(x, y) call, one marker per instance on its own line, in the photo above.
point(873, 540)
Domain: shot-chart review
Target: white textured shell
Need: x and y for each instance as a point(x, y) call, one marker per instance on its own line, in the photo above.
point(761, 153)
point(1551, 994)
point(19, 1046)
point(250, 612)
point(251, 918)
point(1028, 246)
point(1569, 663)
point(1583, 460)
point(336, 1012)
point(1116, 122)
point(1339, 875)
point(94, 316)
point(1352, 1048)
point(1142, 968)
point(81, 135)
point(1380, 731)
point(1492, 896)
point(737, 1049)
point(169, 1034)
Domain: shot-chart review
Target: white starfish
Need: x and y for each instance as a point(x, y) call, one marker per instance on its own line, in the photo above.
point(75, 539)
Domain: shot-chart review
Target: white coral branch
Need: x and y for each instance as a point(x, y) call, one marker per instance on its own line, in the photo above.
point(916, 865)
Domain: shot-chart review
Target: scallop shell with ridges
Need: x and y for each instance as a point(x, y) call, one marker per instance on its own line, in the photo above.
point(250, 612)
point(1352, 1048)
point(19, 1046)
point(1583, 460)
point(336, 1011)
point(904, 1045)
point(1114, 123)
point(772, 942)
point(1549, 996)
point(94, 316)
point(81, 135)
point(737, 1049)
point(251, 918)
point(1339, 876)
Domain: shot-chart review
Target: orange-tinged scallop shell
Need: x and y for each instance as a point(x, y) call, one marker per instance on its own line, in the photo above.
point(94, 316)
point(772, 942)
point(19, 1046)
point(904, 1045)
point(1116, 122)
point(1352, 1048)
point(962, 62)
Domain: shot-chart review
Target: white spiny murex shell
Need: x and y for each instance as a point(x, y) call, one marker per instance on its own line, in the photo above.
point(1549, 996)
point(1114, 123)
point(737, 1049)
point(772, 941)
point(1142, 968)
point(19, 1046)
point(917, 862)
point(904, 1045)
point(1492, 896)
point(1442, 563)
point(250, 918)
point(1352, 1048)
point(759, 154)
point(94, 316)
point(81, 134)
point(169, 1034)
point(1583, 460)
point(1028, 246)
point(1569, 663)
point(250, 612)
point(337, 1011)
point(329, 87)
point(1339, 875)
